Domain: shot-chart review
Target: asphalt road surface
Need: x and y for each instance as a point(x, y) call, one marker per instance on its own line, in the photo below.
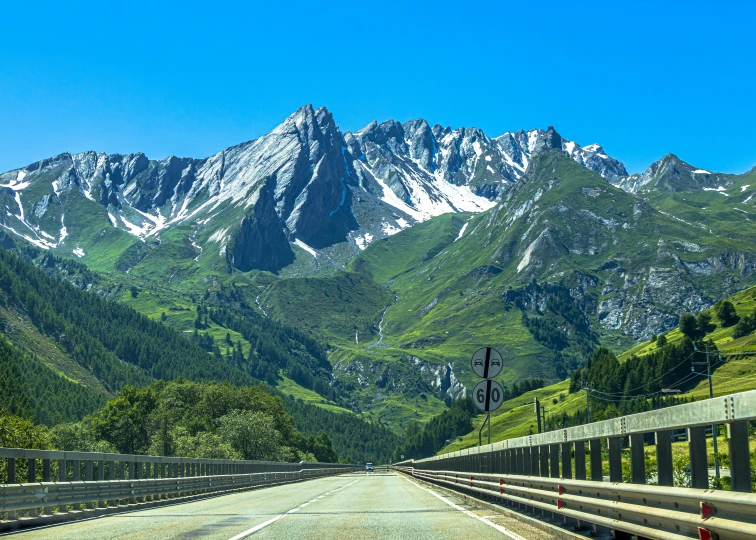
point(355, 506)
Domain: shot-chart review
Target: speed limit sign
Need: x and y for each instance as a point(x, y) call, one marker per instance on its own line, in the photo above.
point(488, 395)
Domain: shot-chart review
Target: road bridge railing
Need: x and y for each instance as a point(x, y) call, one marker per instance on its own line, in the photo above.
point(72, 485)
point(561, 474)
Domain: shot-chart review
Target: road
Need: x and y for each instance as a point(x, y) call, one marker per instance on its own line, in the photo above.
point(362, 506)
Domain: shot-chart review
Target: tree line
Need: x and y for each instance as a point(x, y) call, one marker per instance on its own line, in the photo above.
point(190, 419)
point(421, 441)
point(276, 348)
point(111, 340)
point(354, 439)
point(29, 389)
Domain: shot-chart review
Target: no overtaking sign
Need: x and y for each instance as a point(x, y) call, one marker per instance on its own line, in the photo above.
point(487, 362)
point(487, 394)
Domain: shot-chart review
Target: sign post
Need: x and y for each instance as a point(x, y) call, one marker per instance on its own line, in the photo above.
point(488, 395)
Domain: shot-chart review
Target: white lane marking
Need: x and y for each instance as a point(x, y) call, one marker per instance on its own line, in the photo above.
point(256, 528)
point(499, 528)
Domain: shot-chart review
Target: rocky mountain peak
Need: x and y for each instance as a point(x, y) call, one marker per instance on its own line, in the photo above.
point(324, 187)
point(672, 174)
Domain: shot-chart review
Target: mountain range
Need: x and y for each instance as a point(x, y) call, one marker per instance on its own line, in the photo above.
point(304, 185)
point(400, 247)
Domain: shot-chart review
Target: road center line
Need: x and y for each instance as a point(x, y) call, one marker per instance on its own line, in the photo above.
point(256, 528)
point(496, 526)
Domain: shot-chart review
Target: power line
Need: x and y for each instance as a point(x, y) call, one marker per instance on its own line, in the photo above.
point(649, 382)
point(617, 399)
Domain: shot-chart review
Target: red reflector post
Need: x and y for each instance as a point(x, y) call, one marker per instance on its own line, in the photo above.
point(706, 510)
point(706, 534)
point(561, 490)
point(560, 504)
point(471, 481)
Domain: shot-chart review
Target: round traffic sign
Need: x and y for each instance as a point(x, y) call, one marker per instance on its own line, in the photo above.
point(486, 362)
point(488, 395)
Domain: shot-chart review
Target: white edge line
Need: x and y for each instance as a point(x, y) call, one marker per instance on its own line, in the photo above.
point(499, 528)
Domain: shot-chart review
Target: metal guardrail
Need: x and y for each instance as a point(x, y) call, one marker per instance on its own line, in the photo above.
point(131, 480)
point(547, 473)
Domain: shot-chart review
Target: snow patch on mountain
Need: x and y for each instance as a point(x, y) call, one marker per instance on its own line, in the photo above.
point(461, 232)
point(305, 247)
point(363, 241)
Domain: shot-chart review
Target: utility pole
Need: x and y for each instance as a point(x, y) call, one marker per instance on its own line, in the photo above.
point(711, 395)
point(538, 414)
point(587, 405)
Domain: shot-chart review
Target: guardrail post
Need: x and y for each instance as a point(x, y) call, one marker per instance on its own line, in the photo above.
point(740, 461)
point(554, 459)
point(32, 465)
point(543, 453)
point(11, 480)
point(615, 459)
point(88, 472)
point(112, 476)
point(101, 477)
point(637, 459)
point(566, 460)
point(526, 466)
point(121, 475)
point(664, 458)
point(580, 460)
point(47, 510)
point(62, 478)
point(535, 460)
point(699, 465)
point(133, 476)
point(597, 469)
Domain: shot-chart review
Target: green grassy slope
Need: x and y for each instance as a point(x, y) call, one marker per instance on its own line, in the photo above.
point(336, 308)
point(516, 417)
point(401, 253)
point(563, 228)
point(732, 374)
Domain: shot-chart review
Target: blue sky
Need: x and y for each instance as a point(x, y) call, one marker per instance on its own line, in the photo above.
point(641, 79)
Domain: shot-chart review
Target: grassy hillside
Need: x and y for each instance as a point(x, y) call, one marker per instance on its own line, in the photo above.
point(516, 417)
point(732, 373)
point(563, 264)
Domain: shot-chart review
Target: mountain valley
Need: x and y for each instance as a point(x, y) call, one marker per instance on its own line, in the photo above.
point(380, 259)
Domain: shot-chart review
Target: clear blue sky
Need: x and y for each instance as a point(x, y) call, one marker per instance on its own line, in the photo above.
point(190, 79)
